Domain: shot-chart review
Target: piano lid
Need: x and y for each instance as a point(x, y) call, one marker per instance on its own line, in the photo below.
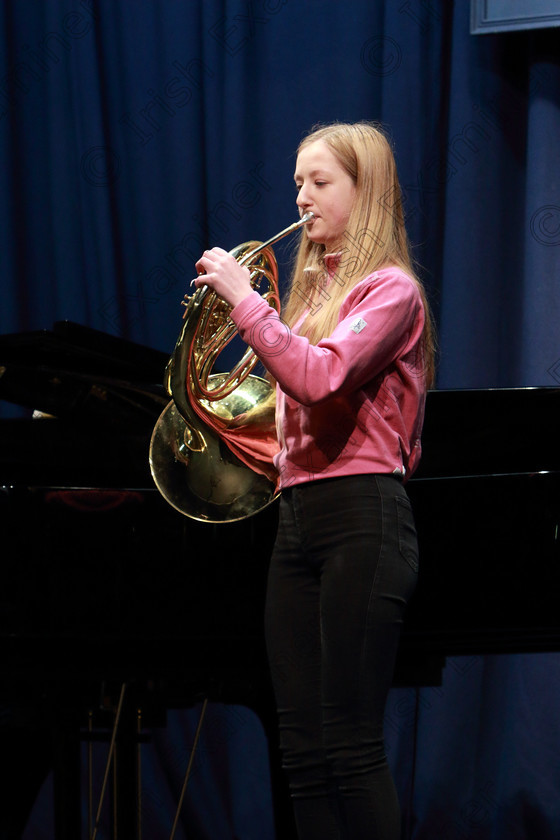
point(495, 431)
point(75, 371)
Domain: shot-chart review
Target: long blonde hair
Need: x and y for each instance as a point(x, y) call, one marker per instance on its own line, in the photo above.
point(375, 235)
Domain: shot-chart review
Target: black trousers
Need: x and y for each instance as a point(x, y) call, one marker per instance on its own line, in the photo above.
point(344, 565)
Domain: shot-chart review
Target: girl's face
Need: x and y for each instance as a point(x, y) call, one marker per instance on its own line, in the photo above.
point(327, 190)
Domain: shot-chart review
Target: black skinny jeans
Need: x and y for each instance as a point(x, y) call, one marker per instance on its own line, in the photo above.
point(343, 568)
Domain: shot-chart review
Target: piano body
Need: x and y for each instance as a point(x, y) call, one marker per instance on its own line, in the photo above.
point(109, 585)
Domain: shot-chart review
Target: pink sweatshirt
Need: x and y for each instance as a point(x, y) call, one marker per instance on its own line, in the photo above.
point(353, 403)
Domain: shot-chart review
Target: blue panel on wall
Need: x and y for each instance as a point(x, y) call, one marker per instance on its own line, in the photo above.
point(507, 15)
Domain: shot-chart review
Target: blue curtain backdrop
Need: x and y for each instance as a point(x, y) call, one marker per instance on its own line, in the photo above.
point(135, 133)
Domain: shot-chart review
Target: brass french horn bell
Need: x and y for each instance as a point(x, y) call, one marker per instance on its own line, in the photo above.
point(191, 456)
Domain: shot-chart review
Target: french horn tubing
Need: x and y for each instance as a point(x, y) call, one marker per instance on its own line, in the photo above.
point(210, 448)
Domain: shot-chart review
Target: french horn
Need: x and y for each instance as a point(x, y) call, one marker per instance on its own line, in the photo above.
point(210, 450)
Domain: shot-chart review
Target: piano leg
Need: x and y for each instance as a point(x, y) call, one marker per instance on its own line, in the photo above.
point(66, 775)
point(127, 802)
point(121, 793)
point(121, 788)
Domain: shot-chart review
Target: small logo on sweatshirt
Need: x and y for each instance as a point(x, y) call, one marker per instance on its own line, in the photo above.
point(358, 325)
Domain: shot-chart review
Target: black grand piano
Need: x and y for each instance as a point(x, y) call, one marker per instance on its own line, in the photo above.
point(105, 584)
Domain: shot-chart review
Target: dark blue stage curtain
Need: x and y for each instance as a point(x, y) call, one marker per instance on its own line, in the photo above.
point(135, 133)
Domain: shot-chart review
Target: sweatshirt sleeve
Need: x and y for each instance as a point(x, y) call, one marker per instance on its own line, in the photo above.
point(378, 322)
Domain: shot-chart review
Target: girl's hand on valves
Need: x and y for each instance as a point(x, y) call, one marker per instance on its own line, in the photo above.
point(222, 273)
